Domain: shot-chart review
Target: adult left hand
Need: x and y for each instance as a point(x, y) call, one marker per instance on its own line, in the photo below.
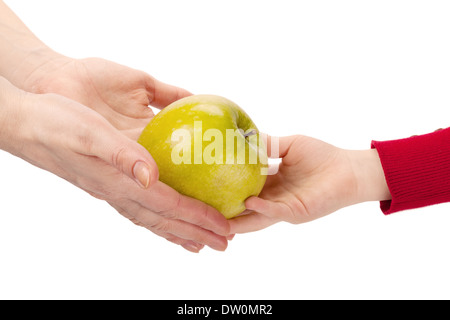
point(120, 94)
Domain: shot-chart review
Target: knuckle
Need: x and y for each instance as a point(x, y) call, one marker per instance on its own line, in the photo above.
point(296, 213)
point(118, 157)
point(207, 238)
point(201, 216)
point(162, 225)
point(84, 138)
point(136, 222)
point(175, 211)
point(203, 213)
point(85, 135)
point(170, 214)
point(150, 86)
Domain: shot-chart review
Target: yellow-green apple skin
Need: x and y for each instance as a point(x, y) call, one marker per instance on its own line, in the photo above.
point(184, 140)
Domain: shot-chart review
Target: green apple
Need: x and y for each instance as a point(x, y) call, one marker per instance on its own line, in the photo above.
point(208, 148)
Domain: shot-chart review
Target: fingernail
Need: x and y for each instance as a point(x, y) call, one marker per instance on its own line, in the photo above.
point(141, 172)
point(191, 247)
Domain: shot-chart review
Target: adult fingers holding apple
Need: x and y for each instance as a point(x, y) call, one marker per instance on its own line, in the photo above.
point(77, 144)
point(98, 157)
point(179, 219)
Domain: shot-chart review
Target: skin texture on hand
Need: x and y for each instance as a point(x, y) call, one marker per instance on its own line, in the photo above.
point(119, 93)
point(314, 179)
point(79, 145)
point(91, 142)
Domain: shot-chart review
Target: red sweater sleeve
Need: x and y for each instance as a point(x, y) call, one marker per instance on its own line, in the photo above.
point(417, 170)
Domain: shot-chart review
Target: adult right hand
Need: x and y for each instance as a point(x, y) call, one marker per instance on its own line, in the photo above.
point(76, 143)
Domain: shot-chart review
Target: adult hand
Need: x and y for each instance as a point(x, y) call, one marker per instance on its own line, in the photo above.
point(77, 144)
point(91, 151)
point(314, 179)
point(119, 93)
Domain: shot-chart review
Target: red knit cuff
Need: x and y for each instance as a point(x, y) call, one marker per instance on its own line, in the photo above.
point(417, 170)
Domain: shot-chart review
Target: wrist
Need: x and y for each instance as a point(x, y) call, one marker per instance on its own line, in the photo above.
point(369, 176)
point(36, 76)
point(23, 55)
point(28, 69)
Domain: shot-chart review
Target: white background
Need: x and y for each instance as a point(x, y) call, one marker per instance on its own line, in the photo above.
point(345, 72)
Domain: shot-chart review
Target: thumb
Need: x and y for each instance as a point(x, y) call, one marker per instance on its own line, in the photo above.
point(277, 147)
point(125, 155)
point(162, 94)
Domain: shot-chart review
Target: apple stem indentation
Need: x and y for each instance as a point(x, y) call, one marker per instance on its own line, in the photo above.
point(250, 133)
